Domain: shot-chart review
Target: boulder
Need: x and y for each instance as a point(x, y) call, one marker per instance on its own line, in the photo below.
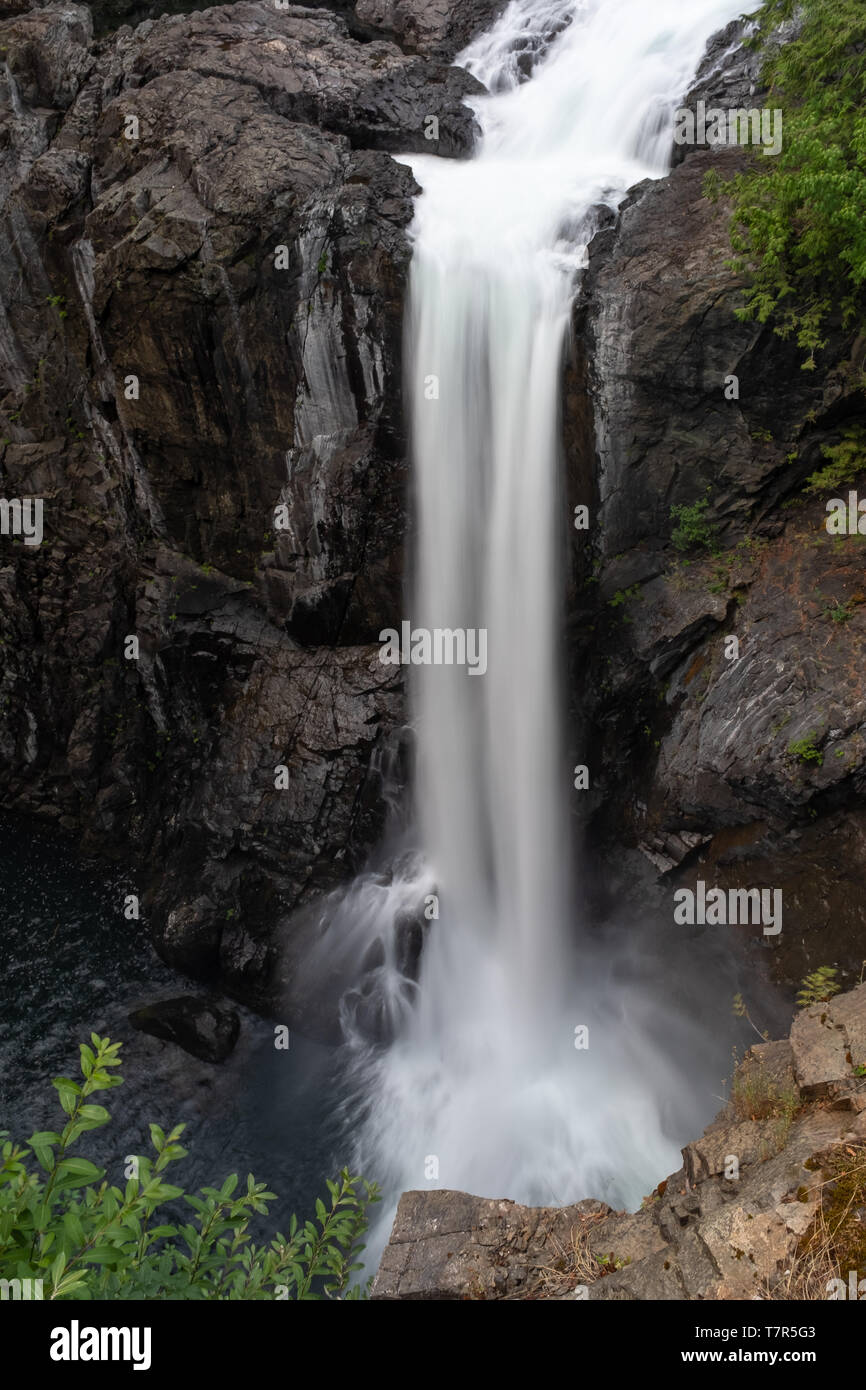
point(200, 1026)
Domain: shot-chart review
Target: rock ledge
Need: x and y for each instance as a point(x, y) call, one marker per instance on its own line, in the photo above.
point(730, 1224)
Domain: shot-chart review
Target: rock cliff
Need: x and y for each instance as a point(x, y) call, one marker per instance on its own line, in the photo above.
point(753, 752)
point(203, 258)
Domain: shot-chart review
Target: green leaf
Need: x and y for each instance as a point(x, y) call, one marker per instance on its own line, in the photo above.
point(44, 1157)
point(57, 1267)
point(229, 1186)
point(165, 1192)
point(107, 1254)
point(69, 1092)
point(69, 1282)
point(43, 1137)
point(73, 1229)
point(80, 1167)
point(93, 1116)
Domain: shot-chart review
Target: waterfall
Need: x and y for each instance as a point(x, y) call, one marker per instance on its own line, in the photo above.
point(486, 1084)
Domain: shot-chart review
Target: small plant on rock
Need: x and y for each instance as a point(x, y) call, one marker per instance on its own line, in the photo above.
point(806, 750)
point(846, 461)
point(819, 987)
point(693, 531)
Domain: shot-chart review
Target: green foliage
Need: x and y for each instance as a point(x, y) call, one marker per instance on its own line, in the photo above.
point(818, 987)
point(806, 750)
point(88, 1240)
point(623, 595)
point(612, 1262)
point(799, 224)
point(693, 531)
point(839, 612)
point(847, 460)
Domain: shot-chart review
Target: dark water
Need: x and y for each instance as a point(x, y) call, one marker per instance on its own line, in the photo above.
point(71, 964)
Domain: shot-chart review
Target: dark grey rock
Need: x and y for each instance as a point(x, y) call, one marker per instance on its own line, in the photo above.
point(199, 1026)
point(258, 387)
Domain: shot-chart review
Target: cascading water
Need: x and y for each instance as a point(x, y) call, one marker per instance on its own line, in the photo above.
point(484, 1085)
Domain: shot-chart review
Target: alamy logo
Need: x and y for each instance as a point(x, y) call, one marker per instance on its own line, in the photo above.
point(737, 126)
point(77, 1343)
point(846, 518)
point(855, 1290)
point(22, 516)
point(443, 646)
point(21, 1290)
point(739, 907)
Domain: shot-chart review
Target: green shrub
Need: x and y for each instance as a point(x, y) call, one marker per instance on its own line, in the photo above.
point(806, 750)
point(839, 612)
point(799, 223)
point(88, 1240)
point(623, 595)
point(693, 531)
point(847, 460)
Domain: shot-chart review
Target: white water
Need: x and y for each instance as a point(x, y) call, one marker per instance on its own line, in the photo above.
point(483, 1075)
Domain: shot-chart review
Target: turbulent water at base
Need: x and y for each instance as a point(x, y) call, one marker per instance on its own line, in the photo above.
point(483, 1087)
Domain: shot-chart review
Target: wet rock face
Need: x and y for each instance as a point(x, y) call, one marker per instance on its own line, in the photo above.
point(203, 277)
point(755, 746)
point(710, 1231)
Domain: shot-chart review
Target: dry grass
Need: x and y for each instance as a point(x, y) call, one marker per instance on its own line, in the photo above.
point(836, 1241)
point(570, 1264)
point(757, 1096)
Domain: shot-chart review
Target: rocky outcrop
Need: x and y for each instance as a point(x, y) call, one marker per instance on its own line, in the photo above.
point(742, 1219)
point(436, 28)
point(754, 747)
point(433, 28)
